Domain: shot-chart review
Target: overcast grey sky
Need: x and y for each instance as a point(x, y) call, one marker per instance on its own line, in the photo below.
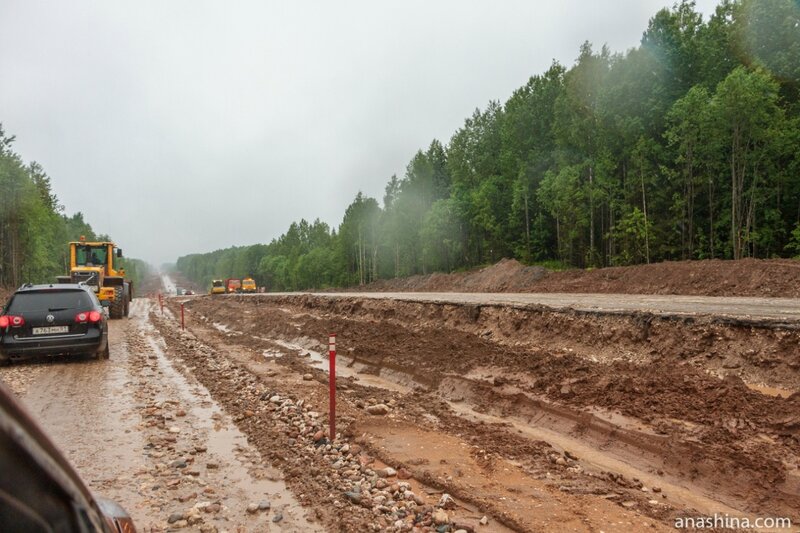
point(187, 126)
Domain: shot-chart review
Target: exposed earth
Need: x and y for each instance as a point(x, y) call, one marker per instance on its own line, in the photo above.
point(745, 277)
point(472, 412)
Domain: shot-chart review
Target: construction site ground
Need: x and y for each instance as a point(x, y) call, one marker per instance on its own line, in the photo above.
point(478, 412)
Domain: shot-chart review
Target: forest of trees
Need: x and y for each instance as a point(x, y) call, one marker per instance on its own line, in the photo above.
point(685, 147)
point(34, 231)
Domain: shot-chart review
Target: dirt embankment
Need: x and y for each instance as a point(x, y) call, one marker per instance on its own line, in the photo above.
point(745, 277)
point(672, 397)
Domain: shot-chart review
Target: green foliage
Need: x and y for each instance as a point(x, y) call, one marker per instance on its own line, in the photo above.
point(34, 232)
point(683, 147)
point(793, 245)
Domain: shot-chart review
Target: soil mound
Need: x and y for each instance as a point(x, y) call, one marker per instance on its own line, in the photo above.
point(745, 277)
point(509, 275)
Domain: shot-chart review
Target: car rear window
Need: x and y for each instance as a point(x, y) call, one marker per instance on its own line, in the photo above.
point(52, 300)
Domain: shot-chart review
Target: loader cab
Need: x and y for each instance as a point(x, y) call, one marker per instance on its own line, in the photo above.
point(89, 255)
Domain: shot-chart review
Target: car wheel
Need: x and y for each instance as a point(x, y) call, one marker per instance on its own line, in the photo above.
point(103, 354)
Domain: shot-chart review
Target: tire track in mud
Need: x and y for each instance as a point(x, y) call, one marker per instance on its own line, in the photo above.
point(212, 476)
point(739, 450)
point(554, 481)
point(88, 409)
point(342, 483)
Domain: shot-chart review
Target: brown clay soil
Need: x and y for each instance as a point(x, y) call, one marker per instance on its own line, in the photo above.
point(532, 417)
point(745, 277)
point(478, 414)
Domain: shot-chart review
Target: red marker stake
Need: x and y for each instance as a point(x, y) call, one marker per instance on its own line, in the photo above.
point(332, 381)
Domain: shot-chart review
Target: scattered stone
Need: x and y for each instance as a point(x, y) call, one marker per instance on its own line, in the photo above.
point(174, 429)
point(570, 455)
point(354, 497)
point(178, 463)
point(446, 502)
point(277, 518)
point(307, 377)
point(629, 504)
point(212, 465)
point(264, 505)
point(252, 508)
point(440, 517)
point(174, 517)
point(378, 409)
point(386, 472)
point(319, 435)
point(484, 520)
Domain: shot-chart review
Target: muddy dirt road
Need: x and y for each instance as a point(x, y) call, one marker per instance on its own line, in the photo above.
point(456, 412)
point(141, 431)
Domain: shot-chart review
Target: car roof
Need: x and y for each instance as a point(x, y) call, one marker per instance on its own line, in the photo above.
point(50, 286)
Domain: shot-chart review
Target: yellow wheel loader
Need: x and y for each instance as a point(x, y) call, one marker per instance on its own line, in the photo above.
point(92, 263)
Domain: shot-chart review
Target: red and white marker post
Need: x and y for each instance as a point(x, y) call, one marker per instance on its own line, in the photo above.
point(332, 381)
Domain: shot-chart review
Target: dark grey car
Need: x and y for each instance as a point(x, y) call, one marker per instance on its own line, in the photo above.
point(57, 319)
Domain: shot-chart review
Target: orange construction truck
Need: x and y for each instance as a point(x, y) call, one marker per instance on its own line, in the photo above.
point(233, 285)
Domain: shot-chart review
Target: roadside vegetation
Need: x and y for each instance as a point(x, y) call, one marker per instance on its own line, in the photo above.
point(685, 147)
point(34, 228)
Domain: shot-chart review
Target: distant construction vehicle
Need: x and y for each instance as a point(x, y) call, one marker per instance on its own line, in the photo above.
point(217, 287)
point(233, 285)
point(92, 263)
point(249, 285)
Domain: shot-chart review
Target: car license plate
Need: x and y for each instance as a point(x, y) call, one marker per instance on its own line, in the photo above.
point(50, 330)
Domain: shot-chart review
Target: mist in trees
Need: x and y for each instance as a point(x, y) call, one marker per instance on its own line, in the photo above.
point(685, 147)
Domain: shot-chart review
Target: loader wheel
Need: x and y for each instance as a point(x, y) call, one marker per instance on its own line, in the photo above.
point(117, 308)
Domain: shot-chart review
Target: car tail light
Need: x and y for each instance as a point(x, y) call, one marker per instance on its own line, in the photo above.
point(87, 316)
point(13, 321)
